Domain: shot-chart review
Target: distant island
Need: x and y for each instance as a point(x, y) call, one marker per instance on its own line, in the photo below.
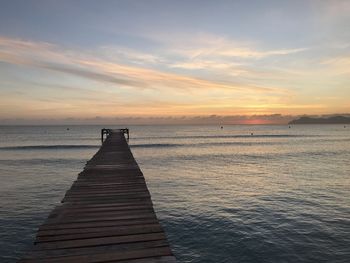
point(329, 120)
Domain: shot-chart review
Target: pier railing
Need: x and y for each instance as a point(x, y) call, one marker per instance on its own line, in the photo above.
point(107, 132)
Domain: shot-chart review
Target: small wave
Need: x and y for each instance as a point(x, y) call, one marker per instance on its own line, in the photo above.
point(200, 144)
point(156, 145)
point(72, 162)
point(228, 136)
point(49, 147)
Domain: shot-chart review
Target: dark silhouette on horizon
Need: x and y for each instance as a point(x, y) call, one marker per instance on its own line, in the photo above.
point(329, 120)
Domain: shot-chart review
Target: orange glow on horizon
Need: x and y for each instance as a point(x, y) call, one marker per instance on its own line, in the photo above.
point(257, 122)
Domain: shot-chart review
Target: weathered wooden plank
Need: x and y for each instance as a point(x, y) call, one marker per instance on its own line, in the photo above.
point(62, 218)
point(89, 236)
point(111, 187)
point(98, 249)
point(67, 207)
point(105, 200)
point(105, 257)
point(128, 222)
point(107, 197)
point(83, 185)
point(166, 259)
point(98, 241)
point(96, 232)
point(103, 219)
point(87, 211)
point(107, 193)
point(100, 207)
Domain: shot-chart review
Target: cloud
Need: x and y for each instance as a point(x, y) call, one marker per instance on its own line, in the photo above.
point(89, 74)
point(338, 65)
point(131, 56)
point(206, 54)
point(208, 65)
point(249, 53)
point(83, 64)
point(207, 45)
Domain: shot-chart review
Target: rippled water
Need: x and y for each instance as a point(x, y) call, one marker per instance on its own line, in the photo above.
point(279, 195)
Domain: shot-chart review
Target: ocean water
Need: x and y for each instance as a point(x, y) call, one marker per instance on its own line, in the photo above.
point(279, 195)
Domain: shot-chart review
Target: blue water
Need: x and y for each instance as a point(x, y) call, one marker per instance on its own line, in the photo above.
point(279, 195)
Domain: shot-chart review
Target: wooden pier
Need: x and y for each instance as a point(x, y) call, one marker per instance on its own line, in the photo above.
point(106, 216)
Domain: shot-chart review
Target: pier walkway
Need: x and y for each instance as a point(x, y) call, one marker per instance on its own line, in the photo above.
point(106, 216)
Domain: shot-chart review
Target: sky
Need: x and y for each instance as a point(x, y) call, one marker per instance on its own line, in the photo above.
point(251, 62)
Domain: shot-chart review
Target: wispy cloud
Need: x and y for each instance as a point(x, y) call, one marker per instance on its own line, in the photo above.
point(90, 74)
point(123, 54)
point(202, 45)
point(338, 65)
point(249, 53)
point(51, 57)
point(205, 54)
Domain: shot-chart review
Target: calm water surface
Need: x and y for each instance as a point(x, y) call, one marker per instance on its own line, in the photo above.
point(281, 195)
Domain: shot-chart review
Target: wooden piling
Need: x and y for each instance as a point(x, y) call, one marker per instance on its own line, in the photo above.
point(106, 216)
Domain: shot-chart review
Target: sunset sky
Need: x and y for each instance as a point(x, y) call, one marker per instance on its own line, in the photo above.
point(173, 60)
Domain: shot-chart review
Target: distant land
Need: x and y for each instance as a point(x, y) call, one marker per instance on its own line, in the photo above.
point(329, 120)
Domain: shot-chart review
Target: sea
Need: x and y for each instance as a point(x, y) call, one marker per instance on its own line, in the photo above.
point(243, 193)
